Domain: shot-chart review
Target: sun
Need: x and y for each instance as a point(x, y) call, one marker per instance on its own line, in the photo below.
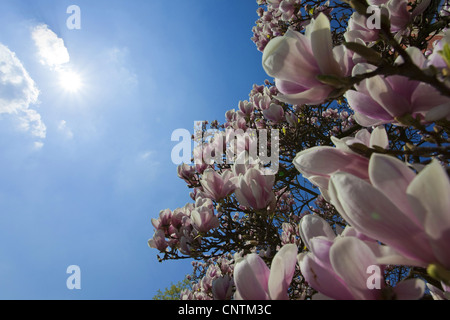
point(70, 81)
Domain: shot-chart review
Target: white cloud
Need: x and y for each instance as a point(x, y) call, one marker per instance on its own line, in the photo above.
point(17, 92)
point(51, 48)
point(38, 145)
point(65, 130)
point(31, 121)
point(146, 155)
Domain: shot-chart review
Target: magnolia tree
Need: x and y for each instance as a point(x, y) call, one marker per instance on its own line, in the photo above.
point(331, 181)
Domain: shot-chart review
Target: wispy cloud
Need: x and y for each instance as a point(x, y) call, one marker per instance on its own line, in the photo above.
point(118, 59)
point(53, 54)
point(51, 48)
point(65, 130)
point(18, 92)
point(136, 171)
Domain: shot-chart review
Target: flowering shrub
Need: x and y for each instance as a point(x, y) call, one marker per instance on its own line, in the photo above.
point(359, 204)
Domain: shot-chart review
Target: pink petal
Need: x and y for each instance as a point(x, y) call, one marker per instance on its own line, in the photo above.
point(281, 272)
point(322, 45)
point(314, 95)
point(372, 213)
point(364, 104)
point(323, 279)
point(312, 226)
point(251, 277)
point(324, 161)
point(379, 138)
point(350, 258)
point(383, 94)
point(410, 289)
point(431, 189)
point(393, 177)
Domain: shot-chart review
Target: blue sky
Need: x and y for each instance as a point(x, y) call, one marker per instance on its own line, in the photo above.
point(83, 172)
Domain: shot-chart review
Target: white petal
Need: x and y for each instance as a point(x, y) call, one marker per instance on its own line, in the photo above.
point(282, 271)
point(432, 188)
point(322, 45)
point(312, 226)
point(411, 289)
point(350, 258)
point(379, 138)
point(392, 177)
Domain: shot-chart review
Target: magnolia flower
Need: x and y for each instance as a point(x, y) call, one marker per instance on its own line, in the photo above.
point(158, 241)
point(274, 113)
point(240, 141)
point(360, 27)
point(246, 108)
point(203, 218)
point(180, 215)
point(287, 9)
point(222, 288)
point(254, 189)
point(295, 60)
point(344, 267)
point(400, 16)
point(317, 164)
point(243, 162)
point(200, 165)
point(408, 212)
point(164, 219)
point(186, 172)
point(379, 100)
point(255, 281)
point(217, 186)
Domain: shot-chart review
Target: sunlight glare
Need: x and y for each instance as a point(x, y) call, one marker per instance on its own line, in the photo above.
point(71, 81)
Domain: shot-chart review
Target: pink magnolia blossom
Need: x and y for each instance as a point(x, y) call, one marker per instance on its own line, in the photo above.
point(200, 165)
point(255, 281)
point(287, 8)
point(358, 29)
point(203, 218)
point(240, 141)
point(186, 172)
point(380, 100)
point(400, 16)
point(295, 60)
point(317, 164)
point(246, 108)
point(164, 219)
point(158, 241)
point(254, 189)
point(408, 212)
point(222, 288)
point(396, 10)
point(337, 266)
point(217, 186)
point(435, 58)
point(274, 113)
